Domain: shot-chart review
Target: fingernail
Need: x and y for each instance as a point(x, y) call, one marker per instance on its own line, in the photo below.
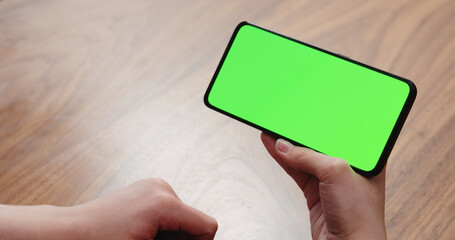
point(283, 146)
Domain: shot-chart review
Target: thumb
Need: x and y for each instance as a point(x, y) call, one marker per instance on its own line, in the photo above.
point(311, 162)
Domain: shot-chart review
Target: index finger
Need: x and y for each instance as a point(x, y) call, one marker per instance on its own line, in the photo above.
point(182, 217)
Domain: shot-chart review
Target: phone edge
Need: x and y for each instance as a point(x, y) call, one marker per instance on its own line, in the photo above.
point(395, 130)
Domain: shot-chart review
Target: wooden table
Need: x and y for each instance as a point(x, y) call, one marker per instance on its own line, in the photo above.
point(98, 94)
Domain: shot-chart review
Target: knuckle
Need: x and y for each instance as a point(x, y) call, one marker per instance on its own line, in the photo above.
point(305, 153)
point(157, 183)
point(165, 200)
point(159, 187)
point(161, 182)
point(337, 167)
point(301, 154)
point(298, 156)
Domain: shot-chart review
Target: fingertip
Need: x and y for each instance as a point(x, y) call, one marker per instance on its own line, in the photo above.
point(197, 223)
point(267, 138)
point(212, 221)
point(268, 141)
point(263, 135)
point(214, 226)
point(283, 146)
point(211, 228)
point(298, 158)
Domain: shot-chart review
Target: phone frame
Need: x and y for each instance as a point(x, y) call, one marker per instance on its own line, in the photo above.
point(395, 131)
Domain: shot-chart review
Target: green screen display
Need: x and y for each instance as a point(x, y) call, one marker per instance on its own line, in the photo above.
point(308, 95)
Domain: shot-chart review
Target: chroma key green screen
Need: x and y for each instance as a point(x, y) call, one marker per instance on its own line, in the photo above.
point(311, 97)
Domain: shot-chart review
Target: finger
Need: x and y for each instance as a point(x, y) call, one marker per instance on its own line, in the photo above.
point(163, 185)
point(317, 164)
point(182, 217)
point(311, 192)
point(299, 177)
point(269, 143)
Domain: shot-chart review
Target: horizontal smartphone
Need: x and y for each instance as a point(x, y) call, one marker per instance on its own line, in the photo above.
point(311, 97)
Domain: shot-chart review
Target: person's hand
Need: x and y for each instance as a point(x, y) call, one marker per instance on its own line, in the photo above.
point(342, 203)
point(148, 209)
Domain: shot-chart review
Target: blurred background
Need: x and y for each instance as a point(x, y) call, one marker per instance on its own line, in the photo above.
point(97, 94)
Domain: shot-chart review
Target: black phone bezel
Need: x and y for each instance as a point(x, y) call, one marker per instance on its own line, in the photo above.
point(395, 131)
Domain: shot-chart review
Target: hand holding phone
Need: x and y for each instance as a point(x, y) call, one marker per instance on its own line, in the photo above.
point(332, 191)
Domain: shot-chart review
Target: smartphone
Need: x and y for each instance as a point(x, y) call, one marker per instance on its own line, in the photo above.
point(311, 97)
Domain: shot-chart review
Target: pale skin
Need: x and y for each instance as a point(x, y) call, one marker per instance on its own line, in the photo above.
point(342, 205)
point(148, 209)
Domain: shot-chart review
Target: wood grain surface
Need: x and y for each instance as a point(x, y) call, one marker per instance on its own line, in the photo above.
point(98, 94)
